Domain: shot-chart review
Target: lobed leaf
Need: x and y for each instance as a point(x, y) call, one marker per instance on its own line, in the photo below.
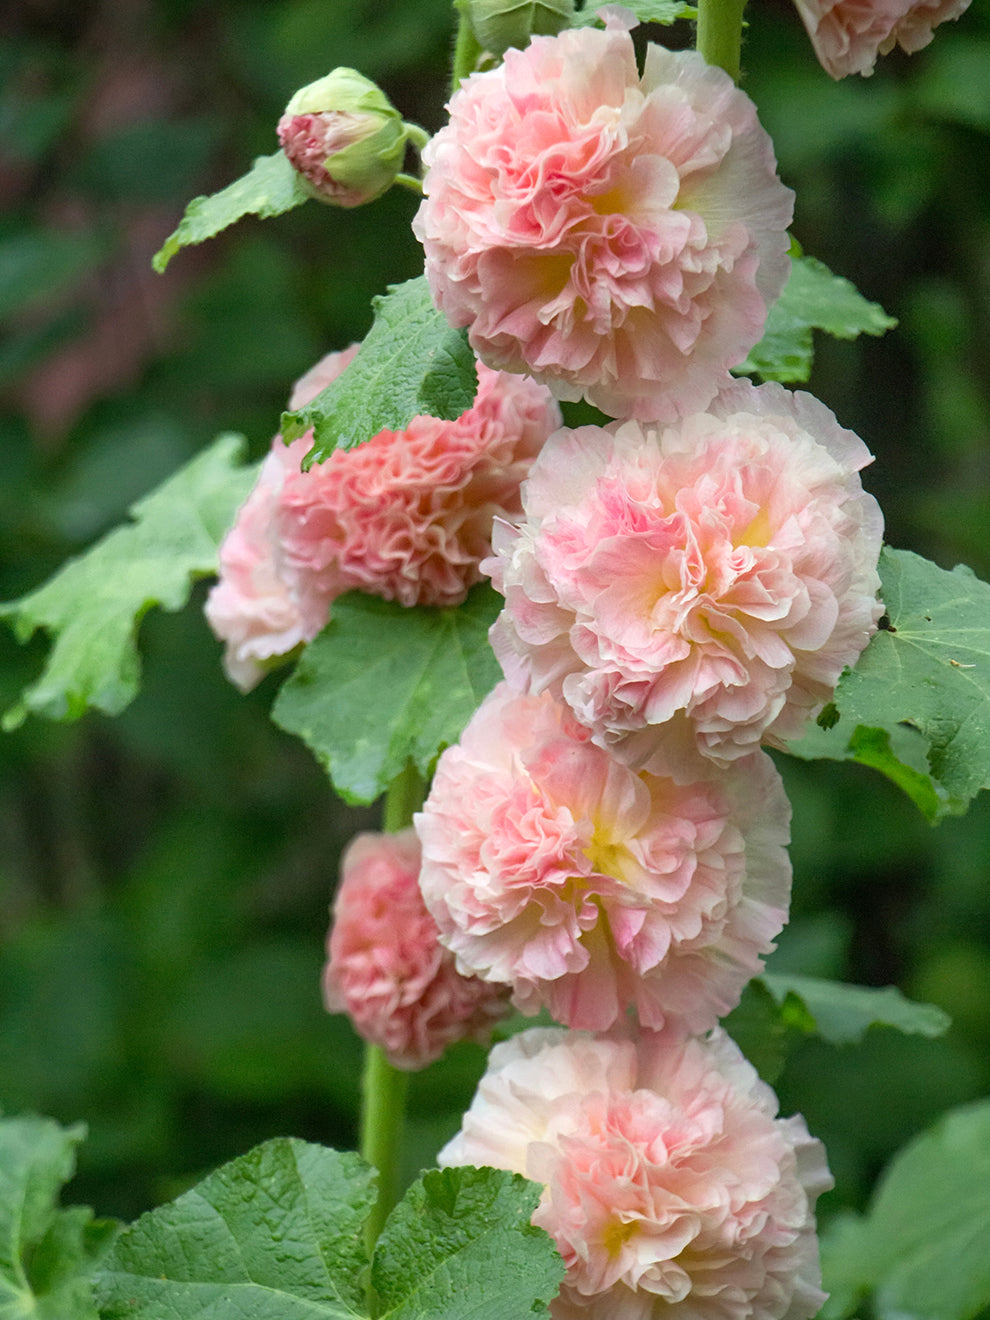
point(842, 1014)
point(924, 678)
point(922, 1246)
point(383, 685)
point(46, 1253)
point(411, 363)
point(460, 1247)
point(276, 1234)
point(813, 299)
point(271, 187)
point(94, 603)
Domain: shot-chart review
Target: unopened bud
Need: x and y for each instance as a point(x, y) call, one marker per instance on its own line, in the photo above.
point(344, 137)
point(499, 24)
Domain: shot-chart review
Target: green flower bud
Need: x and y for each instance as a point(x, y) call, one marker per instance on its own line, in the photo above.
point(499, 24)
point(344, 137)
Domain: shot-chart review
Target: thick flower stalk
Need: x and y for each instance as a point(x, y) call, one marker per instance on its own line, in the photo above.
point(406, 516)
point(615, 236)
point(848, 35)
point(385, 966)
point(694, 588)
point(671, 1188)
point(550, 865)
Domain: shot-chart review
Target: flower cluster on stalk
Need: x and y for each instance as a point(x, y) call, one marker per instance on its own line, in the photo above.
point(683, 586)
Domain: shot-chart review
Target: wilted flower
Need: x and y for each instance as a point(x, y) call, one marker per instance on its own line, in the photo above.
point(611, 235)
point(848, 35)
point(344, 137)
point(710, 579)
point(672, 1190)
point(385, 966)
point(550, 865)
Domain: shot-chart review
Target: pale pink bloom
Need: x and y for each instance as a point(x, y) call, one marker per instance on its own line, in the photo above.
point(385, 966)
point(252, 608)
point(699, 586)
point(613, 236)
point(848, 35)
point(552, 866)
point(408, 515)
point(672, 1190)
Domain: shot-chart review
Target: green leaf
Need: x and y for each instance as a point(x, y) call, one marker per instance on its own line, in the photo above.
point(270, 187)
point(924, 678)
point(411, 363)
point(94, 603)
point(46, 1254)
point(278, 1234)
point(922, 1246)
point(460, 1247)
point(813, 299)
point(274, 1235)
point(764, 1029)
point(842, 1014)
point(646, 11)
point(383, 685)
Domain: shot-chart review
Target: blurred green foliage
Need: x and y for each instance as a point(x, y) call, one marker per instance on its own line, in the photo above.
point(164, 877)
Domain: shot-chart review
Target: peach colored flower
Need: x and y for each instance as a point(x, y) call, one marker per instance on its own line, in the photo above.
point(848, 35)
point(385, 966)
point(550, 865)
point(706, 582)
point(613, 236)
point(252, 608)
point(407, 516)
point(672, 1190)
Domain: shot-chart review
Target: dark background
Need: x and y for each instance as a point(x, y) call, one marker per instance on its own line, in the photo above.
point(164, 877)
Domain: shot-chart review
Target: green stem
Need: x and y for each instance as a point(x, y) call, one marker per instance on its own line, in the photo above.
point(383, 1096)
point(383, 1088)
point(466, 51)
point(720, 33)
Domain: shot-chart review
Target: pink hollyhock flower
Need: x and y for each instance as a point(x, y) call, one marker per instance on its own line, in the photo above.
point(385, 966)
point(407, 516)
point(848, 35)
point(550, 865)
point(698, 586)
point(672, 1190)
point(614, 236)
point(252, 608)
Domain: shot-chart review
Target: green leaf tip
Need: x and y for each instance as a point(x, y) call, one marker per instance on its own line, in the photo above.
point(411, 363)
point(842, 1014)
point(271, 187)
point(93, 605)
point(917, 704)
point(813, 299)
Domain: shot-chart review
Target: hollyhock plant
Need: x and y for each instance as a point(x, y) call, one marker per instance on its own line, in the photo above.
point(550, 865)
point(697, 587)
point(671, 1188)
point(385, 966)
point(612, 235)
point(848, 35)
point(407, 516)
